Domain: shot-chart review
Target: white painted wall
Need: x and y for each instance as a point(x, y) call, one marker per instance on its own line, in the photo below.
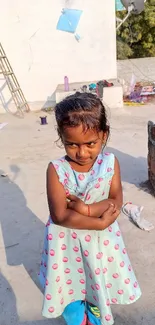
point(41, 56)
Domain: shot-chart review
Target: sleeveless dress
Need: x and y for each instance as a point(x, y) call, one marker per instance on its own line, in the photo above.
point(86, 264)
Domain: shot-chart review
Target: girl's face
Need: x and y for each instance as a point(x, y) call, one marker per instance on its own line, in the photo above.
point(83, 147)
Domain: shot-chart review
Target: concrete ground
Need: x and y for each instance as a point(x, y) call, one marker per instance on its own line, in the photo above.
point(25, 150)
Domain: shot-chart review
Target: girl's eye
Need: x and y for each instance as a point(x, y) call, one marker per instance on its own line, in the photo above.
point(91, 144)
point(72, 145)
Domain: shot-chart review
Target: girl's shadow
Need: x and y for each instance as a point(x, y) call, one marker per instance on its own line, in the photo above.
point(22, 230)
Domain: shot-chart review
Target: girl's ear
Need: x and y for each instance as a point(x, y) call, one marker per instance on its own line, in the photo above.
point(105, 137)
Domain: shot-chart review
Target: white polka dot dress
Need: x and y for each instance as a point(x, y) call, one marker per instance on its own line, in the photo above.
point(81, 264)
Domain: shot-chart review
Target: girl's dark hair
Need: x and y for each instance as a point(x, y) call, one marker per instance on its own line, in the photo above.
point(81, 108)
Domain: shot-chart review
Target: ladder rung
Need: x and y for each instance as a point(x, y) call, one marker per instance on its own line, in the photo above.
point(8, 73)
point(20, 106)
point(2, 57)
point(14, 90)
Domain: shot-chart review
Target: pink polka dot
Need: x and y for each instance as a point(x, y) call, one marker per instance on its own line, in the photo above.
point(110, 229)
point(108, 302)
point(86, 253)
point(108, 318)
point(100, 161)
point(56, 166)
point(120, 292)
point(48, 223)
point(78, 259)
point(109, 170)
point(103, 193)
point(92, 172)
point(52, 252)
point(62, 301)
point(67, 271)
point(74, 235)
point(127, 281)
point(60, 290)
point(114, 300)
point(100, 179)
point(63, 247)
point(58, 279)
point(80, 270)
point(81, 177)
point(51, 310)
point(50, 237)
point(88, 197)
point(97, 271)
point(92, 287)
point(110, 259)
point(46, 252)
point(132, 298)
point(82, 281)
point(97, 185)
point(48, 297)
point(108, 285)
point(88, 265)
point(124, 251)
point(67, 174)
point(46, 282)
point(99, 256)
point(122, 264)
point(107, 154)
point(116, 247)
point(65, 181)
point(65, 259)
point(84, 292)
point(118, 233)
point(67, 192)
point(90, 276)
point(55, 266)
point(130, 268)
point(97, 286)
point(105, 270)
point(69, 282)
point(106, 242)
point(115, 275)
point(62, 235)
point(45, 264)
point(75, 249)
point(135, 285)
point(70, 292)
point(88, 238)
point(95, 298)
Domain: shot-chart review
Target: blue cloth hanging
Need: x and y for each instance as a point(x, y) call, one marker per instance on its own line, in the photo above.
point(119, 5)
point(69, 20)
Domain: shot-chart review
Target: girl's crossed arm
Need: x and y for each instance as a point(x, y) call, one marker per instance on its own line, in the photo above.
point(97, 209)
point(64, 216)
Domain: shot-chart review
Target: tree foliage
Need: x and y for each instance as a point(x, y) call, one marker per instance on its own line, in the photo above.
point(136, 37)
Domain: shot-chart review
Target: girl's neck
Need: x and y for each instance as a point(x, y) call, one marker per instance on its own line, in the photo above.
point(80, 168)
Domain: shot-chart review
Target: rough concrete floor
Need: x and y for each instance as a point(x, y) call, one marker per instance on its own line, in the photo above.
point(25, 150)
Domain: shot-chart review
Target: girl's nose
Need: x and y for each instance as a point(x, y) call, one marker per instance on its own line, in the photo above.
point(81, 152)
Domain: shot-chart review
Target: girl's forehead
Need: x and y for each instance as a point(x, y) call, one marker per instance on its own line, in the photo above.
point(79, 135)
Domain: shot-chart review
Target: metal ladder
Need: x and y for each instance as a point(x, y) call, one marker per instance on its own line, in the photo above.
point(12, 83)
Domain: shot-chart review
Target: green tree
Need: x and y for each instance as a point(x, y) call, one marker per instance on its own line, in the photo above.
point(136, 37)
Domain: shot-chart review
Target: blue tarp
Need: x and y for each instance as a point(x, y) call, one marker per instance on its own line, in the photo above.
point(69, 20)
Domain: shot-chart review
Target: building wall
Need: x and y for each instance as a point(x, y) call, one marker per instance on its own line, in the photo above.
point(41, 55)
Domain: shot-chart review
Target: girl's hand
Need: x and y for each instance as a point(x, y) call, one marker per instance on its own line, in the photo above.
point(110, 215)
point(77, 205)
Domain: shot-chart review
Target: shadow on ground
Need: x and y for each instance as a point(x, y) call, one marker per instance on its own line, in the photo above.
point(133, 170)
point(19, 228)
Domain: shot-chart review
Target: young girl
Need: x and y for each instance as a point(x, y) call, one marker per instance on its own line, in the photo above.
point(85, 267)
